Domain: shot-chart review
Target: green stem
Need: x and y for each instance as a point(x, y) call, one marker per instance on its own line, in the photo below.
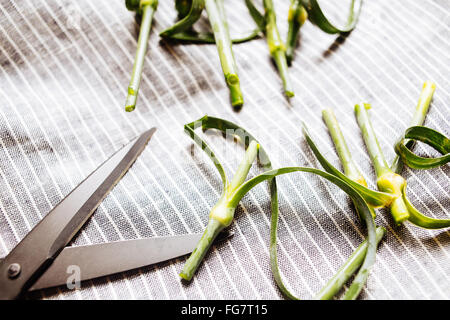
point(370, 139)
point(244, 167)
point(276, 46)
point(281, 62)
point(350, 168)
point(221, 214)
point(183, 8)
point(421, 220)
point(188, 13)
point(296, 18)
point(148, 11)
point(212, 230)
point(344, 273)
point(356, 197)
point(387, 180)
point(216, 15)
point(418, 119)
point(208, 37)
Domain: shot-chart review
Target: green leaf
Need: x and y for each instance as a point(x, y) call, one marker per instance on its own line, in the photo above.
point(359, 202)
point(208, 37)
point(428, 136)
point(421, 220)
point(257, 16)
point(418, 119)
point(228, 127)
point(189, 130)
point(374, 198)
point(188, 20)
point(364, 256)
point(344, 273)
point(317, 16)
point(222, 214)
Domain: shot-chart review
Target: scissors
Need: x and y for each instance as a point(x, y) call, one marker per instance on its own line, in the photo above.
point(42, 260)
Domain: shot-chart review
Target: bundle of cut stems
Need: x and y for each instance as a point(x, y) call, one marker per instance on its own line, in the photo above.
point(222, 214)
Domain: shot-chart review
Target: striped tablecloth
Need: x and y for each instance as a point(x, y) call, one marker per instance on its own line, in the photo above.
point(64, 70)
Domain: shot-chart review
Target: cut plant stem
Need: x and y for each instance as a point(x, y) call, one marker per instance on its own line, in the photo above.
point(276, 46)
point(418, 119)
point(296, 18)
point(217, 19)
point(221, 214)
point(344, 273)
point(387, 180)
point(340, 180)
point(350, 168)
point(148, 8)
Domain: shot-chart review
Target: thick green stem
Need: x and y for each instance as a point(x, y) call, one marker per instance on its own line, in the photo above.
point(148, 11)
point(221, 214)
point(281, 62)
point(350, 168)
point(276, 46)
point(244, 167)
point(212, 230)
point(188, 13)
point(344, 273)
point(217, 19)
point(419, 219)
point(375, 152)
point(387, 180)
point(296, 18)
point(418, 119)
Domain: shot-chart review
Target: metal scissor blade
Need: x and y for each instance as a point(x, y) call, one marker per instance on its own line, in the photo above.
point(33, 255)
point(93, 261)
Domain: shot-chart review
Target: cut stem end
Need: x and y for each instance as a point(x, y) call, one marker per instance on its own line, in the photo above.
point(190, 267)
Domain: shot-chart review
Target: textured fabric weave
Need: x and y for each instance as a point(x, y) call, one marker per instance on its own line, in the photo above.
point(64, 70)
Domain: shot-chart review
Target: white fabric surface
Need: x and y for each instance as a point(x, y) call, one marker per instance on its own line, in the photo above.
point(65, 67)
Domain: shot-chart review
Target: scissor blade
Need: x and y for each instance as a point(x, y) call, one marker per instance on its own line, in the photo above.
point(93, 261)
point(38, 249)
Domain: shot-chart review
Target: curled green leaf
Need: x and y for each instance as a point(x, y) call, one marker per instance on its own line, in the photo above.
point(222, 214)
point(256, 15)
point(187, 20)
point(364, 255)
point(431, 137)
point(189, 130)
point(317, 16)
point(421, 220)
point(418, 119)
point(374, 198)
point(365, 211)
point(208, 37)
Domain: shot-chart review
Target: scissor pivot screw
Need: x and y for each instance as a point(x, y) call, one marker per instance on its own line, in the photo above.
point(13, 270)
